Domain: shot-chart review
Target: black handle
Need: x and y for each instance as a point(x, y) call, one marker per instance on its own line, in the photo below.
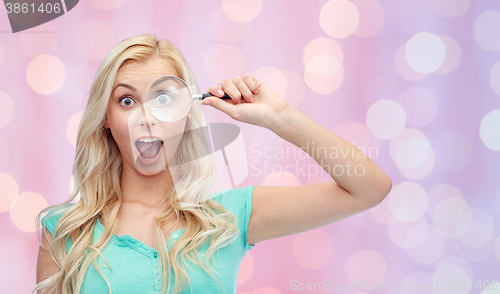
point(210, 95)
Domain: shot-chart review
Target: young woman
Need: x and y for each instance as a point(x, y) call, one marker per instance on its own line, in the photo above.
point(128, 232)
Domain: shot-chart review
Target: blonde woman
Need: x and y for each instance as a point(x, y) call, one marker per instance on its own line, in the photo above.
point(128, 232)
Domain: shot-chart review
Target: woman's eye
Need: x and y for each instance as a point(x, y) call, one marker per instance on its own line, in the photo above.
point(163, 98)
point(126, 101)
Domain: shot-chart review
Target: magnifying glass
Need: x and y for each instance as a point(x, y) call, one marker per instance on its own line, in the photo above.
point(169, 99)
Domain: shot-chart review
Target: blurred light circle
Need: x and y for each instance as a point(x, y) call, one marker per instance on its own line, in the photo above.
point(295, 88)
point(452, 57)
point(324, 85)
point(412, 153)
point(371, 18)
point(425, 52)
point(95, 39)
point(6, 109)
point(450, 8)
point(45, 74)
point(242, 10)
point(407, 201)
point(475, 254)
point(224, 61)
point(322, 46)
point(273, 78)
point(106, 4)
point(407, 234)
point(495, 77)
point(312, 249)
point(489, 130)
point(281, 178)
point(497, 248)
point(386, 119)
point(494, 288)
point(367, 265)
point(8, 192)
point(454, 150)
point(431, 248)
point(246, 269)
point(419, 278)
point(481, 231)
point(448, 211)
point(227, 30)
point(486, 30)
point(24, 209)
point(43, 40)
point(450, 273)
point(4, 151)
point(420, 106)
point(420, 171)
point(339, 18)
point(403, 68)
point(72, 127)
point(323, 65)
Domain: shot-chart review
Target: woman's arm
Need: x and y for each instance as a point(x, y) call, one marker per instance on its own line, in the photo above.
point(45, 266)
point(281, 211)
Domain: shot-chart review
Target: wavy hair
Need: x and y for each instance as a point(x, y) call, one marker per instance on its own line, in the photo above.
point(97, 171)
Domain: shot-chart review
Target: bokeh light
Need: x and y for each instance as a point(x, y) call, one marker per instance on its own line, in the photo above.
point(450, 8)
point(368, 266)
point(407, 234)
point(106, 4)
point(452, 57)
point(453, 149)
point(371, 18)
point(312, 249)
point(425, 52)
point(431, 248)
point(322, 46)
point(420, 106)
point(227, 30)
point(95, 39)
point(403, 68)
point(407, 201)
point(486, 30)
point(242, 10)
point(224, 61)
point(481, 231)
point(246, 269)
point(24, 209)
point(386, 119)
point(339, 18)
point(45, 74)
point(489, 130)
point(40, 43)
point(450, 273)
point(6, 110)
point(495, 77)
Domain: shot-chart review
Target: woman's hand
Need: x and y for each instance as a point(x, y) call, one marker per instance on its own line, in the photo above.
point(251, 101)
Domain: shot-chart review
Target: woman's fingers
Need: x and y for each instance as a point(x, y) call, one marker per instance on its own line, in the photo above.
point(252, 83)
point(215, 91)
point(230, 89)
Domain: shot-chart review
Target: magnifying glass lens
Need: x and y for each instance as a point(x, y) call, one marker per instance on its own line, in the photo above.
point(168, 99)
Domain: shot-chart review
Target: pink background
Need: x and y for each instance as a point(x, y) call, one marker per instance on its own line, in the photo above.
point(418, 81)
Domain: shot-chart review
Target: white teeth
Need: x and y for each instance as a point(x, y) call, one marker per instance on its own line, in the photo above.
point(148, 140)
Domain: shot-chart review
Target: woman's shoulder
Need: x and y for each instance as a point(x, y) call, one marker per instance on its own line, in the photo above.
point(52, 217)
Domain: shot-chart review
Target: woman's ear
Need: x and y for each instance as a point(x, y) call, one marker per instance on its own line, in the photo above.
point(106, 125)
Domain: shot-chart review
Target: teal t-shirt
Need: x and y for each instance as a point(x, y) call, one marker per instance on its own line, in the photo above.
point(135, 267)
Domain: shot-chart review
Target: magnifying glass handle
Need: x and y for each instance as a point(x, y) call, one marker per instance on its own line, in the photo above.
point(203, 96)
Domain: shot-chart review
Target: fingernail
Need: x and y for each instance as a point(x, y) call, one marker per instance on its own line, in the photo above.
point(256, 91)
point(220, 92)
point(205, 102)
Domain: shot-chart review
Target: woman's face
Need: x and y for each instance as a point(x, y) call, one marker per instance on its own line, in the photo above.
point(144, 142)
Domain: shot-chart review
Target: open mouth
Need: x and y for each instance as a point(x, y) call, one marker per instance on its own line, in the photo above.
point(149, 148)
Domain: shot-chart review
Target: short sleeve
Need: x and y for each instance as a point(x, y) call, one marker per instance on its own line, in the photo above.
point(241, 201)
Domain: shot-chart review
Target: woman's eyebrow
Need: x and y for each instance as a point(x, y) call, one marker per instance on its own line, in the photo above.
point(126, 86)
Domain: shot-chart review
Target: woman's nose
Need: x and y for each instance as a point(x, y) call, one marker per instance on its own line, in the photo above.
point(146, 119)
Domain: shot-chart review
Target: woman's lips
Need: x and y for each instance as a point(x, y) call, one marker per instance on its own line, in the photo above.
point(148, 150)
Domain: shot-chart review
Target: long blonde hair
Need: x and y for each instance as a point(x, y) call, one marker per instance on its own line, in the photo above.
point(97, 171)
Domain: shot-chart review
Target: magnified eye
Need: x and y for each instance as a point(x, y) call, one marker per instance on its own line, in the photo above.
point(163, 99)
